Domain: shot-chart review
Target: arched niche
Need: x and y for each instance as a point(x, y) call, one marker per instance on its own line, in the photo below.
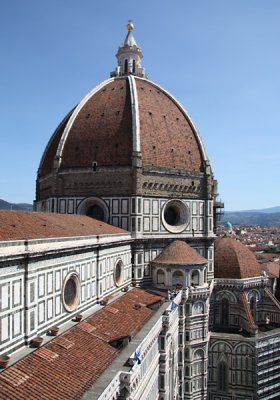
point(195, 278)
point(160, 276)
point(178, 278)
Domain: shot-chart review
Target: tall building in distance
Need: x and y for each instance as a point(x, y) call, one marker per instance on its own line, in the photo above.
point(117, 272)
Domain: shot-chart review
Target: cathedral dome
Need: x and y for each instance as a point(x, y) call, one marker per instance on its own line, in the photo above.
point(121, 116)
point(126, 137)
point(233, 260)
point(124, 118)
point(179, 253)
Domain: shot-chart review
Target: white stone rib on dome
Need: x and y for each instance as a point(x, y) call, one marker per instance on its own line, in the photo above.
point(51, 139)
point(186, 114)
point(73, 117)
point(136, 145)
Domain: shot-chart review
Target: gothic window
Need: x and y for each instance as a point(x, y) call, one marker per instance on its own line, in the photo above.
point(224, 311)
point(253, 307)
point(134, 67)
point(198, 366)
point(222, 376)
point(198, 308)
point(125, 66)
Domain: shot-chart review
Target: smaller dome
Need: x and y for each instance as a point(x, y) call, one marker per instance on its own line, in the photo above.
point(228, 226)
point(179, 253)
point(233, 260)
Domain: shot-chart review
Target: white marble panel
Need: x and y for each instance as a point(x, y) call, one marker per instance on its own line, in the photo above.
point(57, 280)
point(57, 305)
point(194, 208)
point(155, 224)
point(4, 331)
point(88, 291)
point(50, 308)
point(83, 293)
point(4, 296)
point(146, 221)
point(41, 283)
point(16, 293)
point(146, 206)
point(124, 206)
point(155, 206)
point(64, 273)
point(17, 324)
point(50, 282)
point(194, 224)
point(41, 312)
point(88, 271)
point(115, 206)
point(83, 271)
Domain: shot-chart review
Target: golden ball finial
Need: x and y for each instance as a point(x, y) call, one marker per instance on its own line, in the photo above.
point(130, 25)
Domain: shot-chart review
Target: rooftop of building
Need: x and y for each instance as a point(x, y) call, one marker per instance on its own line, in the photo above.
point(63, 369)
point(25, 225)
point(233, 260)
point(179, 253)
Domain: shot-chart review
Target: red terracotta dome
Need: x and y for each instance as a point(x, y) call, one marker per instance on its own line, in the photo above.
point(233, 260)
point(122, 116)
point(179, 253)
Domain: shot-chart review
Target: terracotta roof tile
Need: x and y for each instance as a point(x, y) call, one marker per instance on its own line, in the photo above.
point(68, 365)
point(102, 131)
point(20, 225)
point(167, 139)
point(233, 260)
point(179, 252)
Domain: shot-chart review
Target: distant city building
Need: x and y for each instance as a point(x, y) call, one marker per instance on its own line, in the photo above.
point(109, 290)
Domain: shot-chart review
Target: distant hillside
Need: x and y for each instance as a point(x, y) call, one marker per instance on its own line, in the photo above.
point(5, 205)
point(252, 218)
point(270, 210)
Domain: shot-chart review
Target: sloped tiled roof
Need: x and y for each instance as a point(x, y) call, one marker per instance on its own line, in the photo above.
point(179, 252)
point(68, 365)
point(20, 225)
point(233, 260)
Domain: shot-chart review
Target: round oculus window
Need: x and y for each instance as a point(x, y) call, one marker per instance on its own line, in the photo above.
point(175, 216)
point(71, 292)
point(119, 273)
point(94, 207)
point(96, 212)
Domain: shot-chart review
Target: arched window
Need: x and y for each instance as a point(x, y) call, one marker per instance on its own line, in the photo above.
point(160, 277)
point(198, 365)
point(133, 66)
point(253, 306)
point(222, 376)
point(178, 279)
point(224, 311)
point(125, 66)
point(195, 278)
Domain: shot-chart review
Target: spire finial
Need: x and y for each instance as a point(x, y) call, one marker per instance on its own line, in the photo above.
point(129, 56)
point(130, 25)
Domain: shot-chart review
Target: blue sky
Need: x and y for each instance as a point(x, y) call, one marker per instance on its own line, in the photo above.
point(220, 58)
